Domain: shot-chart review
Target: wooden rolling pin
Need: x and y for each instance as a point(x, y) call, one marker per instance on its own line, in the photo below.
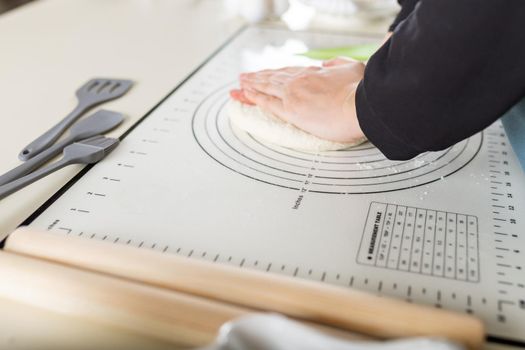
point(343, 308)
point(181, 319)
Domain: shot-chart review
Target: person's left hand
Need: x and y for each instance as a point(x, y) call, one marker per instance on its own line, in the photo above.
point(319, 100)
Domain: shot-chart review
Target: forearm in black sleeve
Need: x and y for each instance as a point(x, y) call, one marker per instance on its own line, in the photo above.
point(450, 69)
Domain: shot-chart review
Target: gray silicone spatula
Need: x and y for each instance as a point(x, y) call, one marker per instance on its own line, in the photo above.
point(98, 123)
point(84, 152)
point(92, 93)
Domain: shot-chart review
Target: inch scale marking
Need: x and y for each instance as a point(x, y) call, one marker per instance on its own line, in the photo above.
point(443, 229)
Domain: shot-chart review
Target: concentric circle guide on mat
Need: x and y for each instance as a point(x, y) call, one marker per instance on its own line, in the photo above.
point(362, 169)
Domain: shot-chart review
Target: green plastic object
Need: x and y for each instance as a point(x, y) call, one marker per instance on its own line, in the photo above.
point(358, 52)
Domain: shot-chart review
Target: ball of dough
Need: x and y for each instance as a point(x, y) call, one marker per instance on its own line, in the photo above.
point(267, 127)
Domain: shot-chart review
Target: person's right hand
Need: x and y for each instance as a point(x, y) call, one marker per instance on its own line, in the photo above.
point(239, 95)
point(319, 100)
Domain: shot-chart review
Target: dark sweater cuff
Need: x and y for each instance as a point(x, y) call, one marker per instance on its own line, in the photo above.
point(378, 133)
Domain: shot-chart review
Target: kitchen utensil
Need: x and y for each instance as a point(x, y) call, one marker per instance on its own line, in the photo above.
point(183, 320)
point(92, 93)
point(100, 122)
point(85, 152)
point(339, 307)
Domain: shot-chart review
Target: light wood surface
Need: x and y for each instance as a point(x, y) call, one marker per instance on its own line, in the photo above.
point(35, 328)
point(152, 317)
point(180, 319)
point(312, 301)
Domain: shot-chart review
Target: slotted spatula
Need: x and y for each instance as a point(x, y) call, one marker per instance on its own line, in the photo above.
point(87, 151)
point(92, 93)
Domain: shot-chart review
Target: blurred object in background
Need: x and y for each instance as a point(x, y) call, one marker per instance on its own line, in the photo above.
point(341, 14)
point(6, 5)
point(255, 11)
point(372, 16)
point(369, 9)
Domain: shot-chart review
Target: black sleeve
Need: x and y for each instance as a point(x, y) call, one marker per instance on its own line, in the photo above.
point(407, 6)
point(450, 69)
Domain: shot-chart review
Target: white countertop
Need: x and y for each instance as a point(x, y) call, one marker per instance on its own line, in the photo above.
point(49, 48)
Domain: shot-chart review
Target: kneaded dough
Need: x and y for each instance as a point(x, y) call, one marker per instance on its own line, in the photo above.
point(267, 127)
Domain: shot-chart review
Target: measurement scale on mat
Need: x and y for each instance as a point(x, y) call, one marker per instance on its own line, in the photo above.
point(443, 229)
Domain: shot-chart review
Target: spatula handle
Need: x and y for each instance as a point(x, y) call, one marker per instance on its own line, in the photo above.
point(35, 162)
point(22, 182)
point(50, 136)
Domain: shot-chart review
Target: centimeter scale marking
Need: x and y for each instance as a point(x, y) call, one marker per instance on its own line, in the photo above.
point(438, 297)
point(504, 223)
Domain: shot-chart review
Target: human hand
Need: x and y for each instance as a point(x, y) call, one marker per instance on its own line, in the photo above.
point(319, 100)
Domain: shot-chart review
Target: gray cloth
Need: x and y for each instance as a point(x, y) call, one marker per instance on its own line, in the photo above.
point(275, 332)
